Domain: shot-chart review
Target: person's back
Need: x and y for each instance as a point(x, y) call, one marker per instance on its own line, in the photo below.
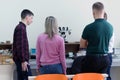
point(98, 36)
point(50, 55)
point(50, 49)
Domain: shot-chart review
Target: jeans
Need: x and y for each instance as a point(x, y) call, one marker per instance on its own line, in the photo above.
point(22, 75)
point(109, 67)
point(51, 69)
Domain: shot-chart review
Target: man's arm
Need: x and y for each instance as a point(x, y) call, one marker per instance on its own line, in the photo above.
point(22, 45)
point(83, 43)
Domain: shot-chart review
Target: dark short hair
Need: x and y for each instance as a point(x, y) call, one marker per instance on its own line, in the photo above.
point(25, 13)
point(105, 16)
point(98, 6)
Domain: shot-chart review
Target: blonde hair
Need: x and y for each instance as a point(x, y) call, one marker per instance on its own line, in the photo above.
point(51, 26)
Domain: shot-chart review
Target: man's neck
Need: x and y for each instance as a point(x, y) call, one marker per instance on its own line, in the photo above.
point(23, 21)
point(99, 17)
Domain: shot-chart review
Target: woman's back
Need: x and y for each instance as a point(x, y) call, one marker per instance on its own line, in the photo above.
point(50, 49)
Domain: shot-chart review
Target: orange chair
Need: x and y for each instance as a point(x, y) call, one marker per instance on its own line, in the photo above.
point(88, 76)
point(51, 77)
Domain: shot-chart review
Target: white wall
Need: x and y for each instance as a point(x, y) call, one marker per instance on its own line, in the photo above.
point(72, 13)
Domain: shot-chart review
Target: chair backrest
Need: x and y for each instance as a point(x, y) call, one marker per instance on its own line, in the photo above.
point(88, 76)
point(51, 77)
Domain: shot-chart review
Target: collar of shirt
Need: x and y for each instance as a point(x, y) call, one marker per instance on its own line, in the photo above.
point(99, 19)
point(22, 24)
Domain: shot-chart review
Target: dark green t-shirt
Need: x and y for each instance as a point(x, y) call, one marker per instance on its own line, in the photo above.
point(98, 35)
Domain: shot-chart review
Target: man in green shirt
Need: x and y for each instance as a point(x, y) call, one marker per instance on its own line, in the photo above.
point(95, 38)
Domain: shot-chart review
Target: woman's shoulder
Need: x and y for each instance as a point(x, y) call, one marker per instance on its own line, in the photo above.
point(59, 37)
point(42, 35)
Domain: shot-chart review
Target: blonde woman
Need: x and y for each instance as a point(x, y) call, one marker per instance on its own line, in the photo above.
point(50, 54)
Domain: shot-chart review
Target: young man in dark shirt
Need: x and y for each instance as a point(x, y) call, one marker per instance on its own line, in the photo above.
point(96, 38)
point(21, 46)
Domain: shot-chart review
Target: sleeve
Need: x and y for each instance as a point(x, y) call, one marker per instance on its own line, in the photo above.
point(22, 44)
point(85, 34)
point(38, 54)
point(62, 55)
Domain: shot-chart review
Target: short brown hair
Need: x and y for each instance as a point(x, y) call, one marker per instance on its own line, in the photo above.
point(26, 12)
point(105, 16)
point(98, 6)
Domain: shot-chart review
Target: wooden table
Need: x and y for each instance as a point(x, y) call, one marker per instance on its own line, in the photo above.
point(6, 46)
point(72, 47)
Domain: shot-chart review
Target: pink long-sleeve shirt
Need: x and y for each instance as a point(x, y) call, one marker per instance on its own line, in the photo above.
point(50, 51)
